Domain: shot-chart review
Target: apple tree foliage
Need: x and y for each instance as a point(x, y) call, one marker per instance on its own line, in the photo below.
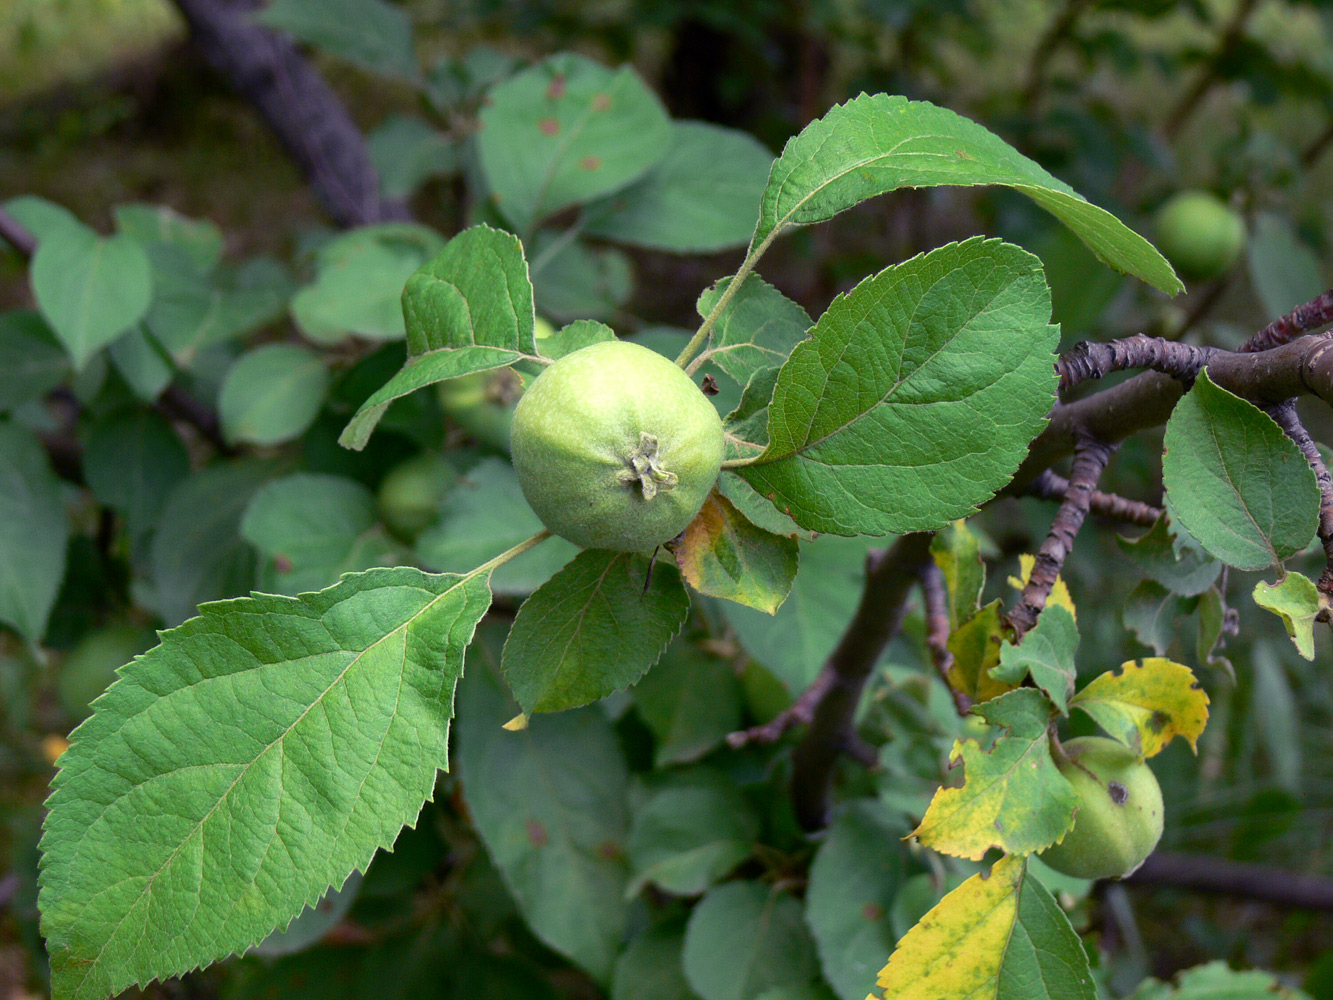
point(320, 677)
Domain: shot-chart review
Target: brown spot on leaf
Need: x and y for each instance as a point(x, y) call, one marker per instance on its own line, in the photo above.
point(590, 162)
point(872, 911)
point(1158, 721)
point(608, 850)
point(1118, 792)
point(549, 126)
point(283, 564)
point(557, 89)
point(537, 833)
point(601, 102)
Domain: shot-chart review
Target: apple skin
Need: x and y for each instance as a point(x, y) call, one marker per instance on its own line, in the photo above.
point(615, 447)
point(1119, 818)
point(410, 494)
point(1199, 234)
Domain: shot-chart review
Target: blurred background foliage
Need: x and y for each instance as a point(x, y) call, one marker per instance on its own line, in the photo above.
point(102, 102)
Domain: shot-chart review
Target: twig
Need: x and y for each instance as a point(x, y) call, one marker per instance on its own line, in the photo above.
point(889, 580)
point(1090, 460)
point(798, 713)
point(177, 404)
point(1287, 418)
point(1303, 319)
point(935, 595)
point(1056, 33)
point(1235, 878)
point(17, 236)
point(1094, 360)
point(1231, 35)
point(1050, 485)
point(1311, 154)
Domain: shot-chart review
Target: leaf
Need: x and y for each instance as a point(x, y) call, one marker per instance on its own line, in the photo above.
point(745, 432)
point(90, 288)
point(878, 143)
point(406, 152)
point(1297, 602)
point(683, 840)
point(701, 197)
point(142, 362)
point(975, 646)
point(650, 966)
point(313, 922)
point(593, 628)
point(690, 701)
point(1059, 592)
point(1284, 270)
point(33, 532)
point(857, 874)
point(132, 461)
point(201, 239)
point(998, 934)
point(794, 643)
point(312, 528)
point(467, 309)
point(32, 362)
point(723, 555)
point(1047, 654)
point(1217, 981)
point(957, 553)
point(1013, 796)
point(1214, 625)
point(359, 279)
point(483, 515)
point(40, 217)
point(574, 337)
point(1234, 481)
point(915, 397)
point(374, 34)
point(549, 804)
point(1153, 614)
point(197, 554)
point(1173, 560)
point(744, 938)
point(575, 280)
point(316, 728)
point(567, 131)
point(757, 329)
point(272, 394)
point(1146, 705)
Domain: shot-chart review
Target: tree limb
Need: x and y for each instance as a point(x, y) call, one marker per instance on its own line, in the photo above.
point(1287, 419)
point(1235, 878)
point(1050, 485)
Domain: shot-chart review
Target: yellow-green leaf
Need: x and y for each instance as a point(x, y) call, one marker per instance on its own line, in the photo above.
point(957, 553)
point(1146, 705)
point(975, 646)
point(1059, 593)
point(722, 554)
point(1297, 602)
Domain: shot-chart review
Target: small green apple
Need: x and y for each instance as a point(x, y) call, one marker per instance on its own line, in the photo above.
point(1199, 234)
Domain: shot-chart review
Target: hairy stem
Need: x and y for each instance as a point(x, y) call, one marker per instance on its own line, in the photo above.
point(706, 327)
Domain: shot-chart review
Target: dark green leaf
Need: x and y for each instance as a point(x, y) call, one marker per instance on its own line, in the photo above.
point(33, 533)
point(132, 461)
point(374, 34)
point(745, 938)
point(32, 362)
point(690, 701)
point(272, 394)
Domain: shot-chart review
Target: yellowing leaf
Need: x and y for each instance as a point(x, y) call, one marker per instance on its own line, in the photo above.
point(957, 947)
point(975, 646)
point(957, 553)
point(1298, 603)
point(722, 554)
point(1059, 593)
point(1145, 706)
point(1013, 798)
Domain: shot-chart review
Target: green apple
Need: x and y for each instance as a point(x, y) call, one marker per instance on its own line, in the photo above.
point(1199, 234)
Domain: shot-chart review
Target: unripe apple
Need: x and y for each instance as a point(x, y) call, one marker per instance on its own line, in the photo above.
point(1119, 817)
point(1199, 234)
point(410, 493)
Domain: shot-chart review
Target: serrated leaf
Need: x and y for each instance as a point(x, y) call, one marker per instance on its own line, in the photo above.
point(272, 394)
point(915, 397)
point(593, 628)
point(957, 553)
point(1013, 797)
point(1218, 981)
point(32, 362)
point(311, 528)
point(313, 922)
point(1171, 560)
point(855, 878)
point(549, 804)
point(722, 554)
point(745, 429)
point(467, 309)
point(701, 197)
point(744, 938)
point(90, 288)
point(132, 461)
point(317, 726)
point(878, 143)
point(1147, 704)
point(1297, 601)
point(975, 646)
point(1047, 654)
point(374, 34)
point(565, 131)
point(757, 329)
point(33, 532)
point(1234, 481)
point(574, 337)
point(691, 701)
point(998, 934)
point(683, 840)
